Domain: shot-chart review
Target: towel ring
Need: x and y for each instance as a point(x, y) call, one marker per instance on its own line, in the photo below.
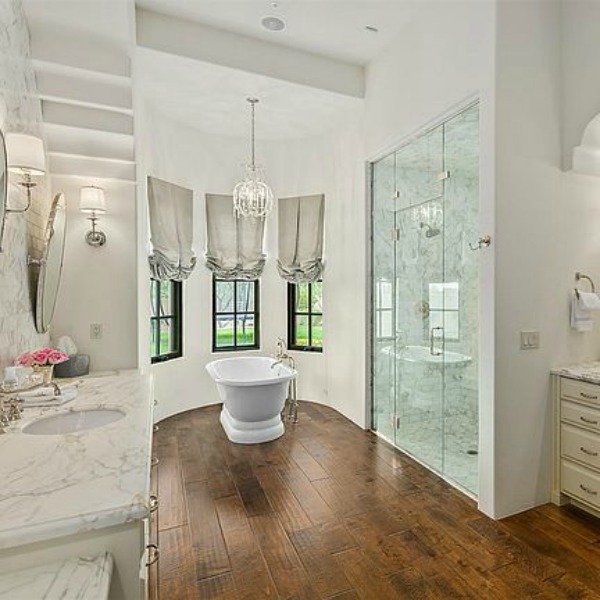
point(578, 277)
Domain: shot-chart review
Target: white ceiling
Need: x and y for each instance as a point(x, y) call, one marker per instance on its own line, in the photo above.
point(332, 28)
point(212, 99)
point(109, 21)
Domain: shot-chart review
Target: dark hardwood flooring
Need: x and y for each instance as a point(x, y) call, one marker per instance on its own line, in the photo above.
point(331, 511)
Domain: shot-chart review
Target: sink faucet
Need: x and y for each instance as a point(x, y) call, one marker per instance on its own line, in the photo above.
point(10, 411)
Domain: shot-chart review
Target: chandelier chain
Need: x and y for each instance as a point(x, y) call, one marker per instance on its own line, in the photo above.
point(253, 154)
point(252, 197)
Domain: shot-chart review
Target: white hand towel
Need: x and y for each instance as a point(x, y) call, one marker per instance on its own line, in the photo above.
point(40, 401)
point(582, 305)
point(589, 301)
point(48, 390)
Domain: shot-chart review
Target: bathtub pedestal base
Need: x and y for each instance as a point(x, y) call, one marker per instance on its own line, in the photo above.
point(256, 432)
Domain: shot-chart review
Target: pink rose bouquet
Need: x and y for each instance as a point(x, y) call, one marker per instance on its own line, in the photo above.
point(41, 357)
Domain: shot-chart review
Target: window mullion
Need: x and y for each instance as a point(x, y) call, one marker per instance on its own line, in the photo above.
point(310, 315)
point(235, 306)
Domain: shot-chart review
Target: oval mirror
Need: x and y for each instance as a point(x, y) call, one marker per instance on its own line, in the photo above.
point(51, 264)
point(3, 186)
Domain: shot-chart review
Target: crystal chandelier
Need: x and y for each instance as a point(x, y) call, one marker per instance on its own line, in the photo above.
point(252, 197)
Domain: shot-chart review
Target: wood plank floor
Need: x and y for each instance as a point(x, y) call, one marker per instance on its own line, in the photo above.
point(331, 511)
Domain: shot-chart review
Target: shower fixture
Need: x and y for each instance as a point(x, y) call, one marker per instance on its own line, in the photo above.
point(431, 231)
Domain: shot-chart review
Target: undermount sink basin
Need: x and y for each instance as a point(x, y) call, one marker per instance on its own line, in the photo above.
point(75, 420)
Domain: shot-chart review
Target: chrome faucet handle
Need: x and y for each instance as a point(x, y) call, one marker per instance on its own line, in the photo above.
point(281, 348)
point(14, 410)
point(4, 415)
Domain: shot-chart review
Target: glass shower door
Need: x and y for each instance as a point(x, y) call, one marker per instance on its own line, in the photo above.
point(425, 315)
point(419, 330)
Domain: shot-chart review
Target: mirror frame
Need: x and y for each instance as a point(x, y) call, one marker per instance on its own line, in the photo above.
point(3, 187)
point(41, 323)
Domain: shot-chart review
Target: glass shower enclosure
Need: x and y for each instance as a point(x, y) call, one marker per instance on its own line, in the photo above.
point(425, 283)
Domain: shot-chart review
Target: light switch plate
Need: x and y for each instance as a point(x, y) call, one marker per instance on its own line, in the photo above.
point(530, 340)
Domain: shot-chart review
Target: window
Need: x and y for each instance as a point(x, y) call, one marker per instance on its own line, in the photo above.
point(165, 320)
point(384, 310)
point(305, 316)
point(235, 315)
point(444, 309)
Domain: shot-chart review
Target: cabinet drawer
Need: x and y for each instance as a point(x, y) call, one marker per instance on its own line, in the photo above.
point(580, 445)
point(580, 415)
point(580, 390)
point(581, 483)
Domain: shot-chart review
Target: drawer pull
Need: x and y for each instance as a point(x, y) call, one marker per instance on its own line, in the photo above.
point(587, 490)
point(153, 554)
point(590, 421)
point(153, 504)
point(588, 396)
point(154, 461)
point(588, 452)
point(155, 428)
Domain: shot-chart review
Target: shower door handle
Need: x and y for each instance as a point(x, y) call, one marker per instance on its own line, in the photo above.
point(432, 349)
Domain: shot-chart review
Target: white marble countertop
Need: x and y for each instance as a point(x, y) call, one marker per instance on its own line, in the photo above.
point(73, 579)
point(58, 485)
point(589, 371)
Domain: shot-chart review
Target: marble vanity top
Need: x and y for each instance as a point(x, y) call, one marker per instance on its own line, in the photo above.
point(73, 579)
point(57, 485)
point(589, 371)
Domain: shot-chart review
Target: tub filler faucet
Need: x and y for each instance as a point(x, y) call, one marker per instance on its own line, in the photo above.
point(284, 358)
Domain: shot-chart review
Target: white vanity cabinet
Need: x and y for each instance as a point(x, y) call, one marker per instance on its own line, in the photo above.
point(83, 493)
point(576, 392)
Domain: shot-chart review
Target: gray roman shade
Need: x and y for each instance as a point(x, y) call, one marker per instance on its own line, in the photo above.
point(301, 238)
point(171, 230)
point(234, 247)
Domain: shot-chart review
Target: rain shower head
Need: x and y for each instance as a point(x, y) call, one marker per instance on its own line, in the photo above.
point(431, 231)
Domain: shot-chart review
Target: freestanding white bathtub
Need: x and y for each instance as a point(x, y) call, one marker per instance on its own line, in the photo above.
point(253, 390)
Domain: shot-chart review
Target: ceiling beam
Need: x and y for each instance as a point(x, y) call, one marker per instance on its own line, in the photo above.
point(207, 44)
point(91, 167)
point(82, 117)
point(73, 89)
point(76, 50)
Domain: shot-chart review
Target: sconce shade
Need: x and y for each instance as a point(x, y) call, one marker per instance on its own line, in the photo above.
point(91, 200)
point(586, 157)
point(25, 154)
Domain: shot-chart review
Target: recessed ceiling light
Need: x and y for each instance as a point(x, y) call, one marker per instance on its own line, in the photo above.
point(272, 23)
point(371, 29)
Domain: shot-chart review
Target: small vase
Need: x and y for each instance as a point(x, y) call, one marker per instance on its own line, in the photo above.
point(44, 372)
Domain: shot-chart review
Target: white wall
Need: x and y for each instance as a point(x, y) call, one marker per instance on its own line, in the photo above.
point(581, 84)
point(547, 224)
point(444, 57)
point(209, 164)
point(99, 284)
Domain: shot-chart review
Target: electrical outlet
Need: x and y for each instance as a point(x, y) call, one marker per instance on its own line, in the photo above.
point(96, 331)
point(530, 340)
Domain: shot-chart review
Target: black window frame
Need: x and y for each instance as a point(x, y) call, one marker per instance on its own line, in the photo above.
point(293, 313)
point(176, 316)
point(234, 313)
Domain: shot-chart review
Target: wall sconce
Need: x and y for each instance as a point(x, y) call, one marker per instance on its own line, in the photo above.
point(93, 202)
point(25, 156)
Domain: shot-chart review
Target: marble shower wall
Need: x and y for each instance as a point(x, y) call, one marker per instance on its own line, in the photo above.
point(20, 111)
